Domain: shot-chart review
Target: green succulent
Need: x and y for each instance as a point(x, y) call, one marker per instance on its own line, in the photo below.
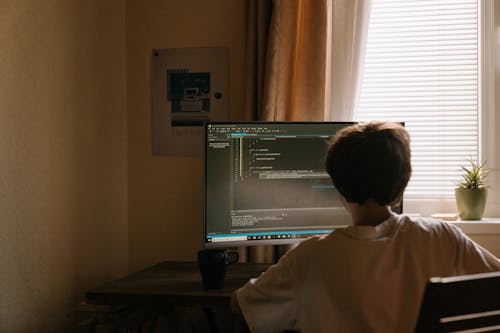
point(474, 176)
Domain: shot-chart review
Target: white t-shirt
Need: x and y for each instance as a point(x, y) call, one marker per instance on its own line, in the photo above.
point(360, 279)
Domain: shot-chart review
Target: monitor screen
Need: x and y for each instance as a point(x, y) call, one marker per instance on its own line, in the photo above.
point(266, 183)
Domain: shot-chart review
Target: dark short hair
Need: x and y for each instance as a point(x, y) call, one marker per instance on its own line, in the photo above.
point(370, 161)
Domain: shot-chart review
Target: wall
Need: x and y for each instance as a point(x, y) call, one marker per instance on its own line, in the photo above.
point(63, 193)
point(496, 118)
point(166, 192)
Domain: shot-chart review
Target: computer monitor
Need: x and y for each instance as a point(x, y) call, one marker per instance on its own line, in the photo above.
point(266, 183)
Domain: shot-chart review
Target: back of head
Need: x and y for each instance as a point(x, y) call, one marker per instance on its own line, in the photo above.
point(370, 161)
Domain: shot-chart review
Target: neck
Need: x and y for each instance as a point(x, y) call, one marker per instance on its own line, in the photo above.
point(369, 213)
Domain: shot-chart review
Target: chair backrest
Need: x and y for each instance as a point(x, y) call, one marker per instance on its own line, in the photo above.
point(468, 303)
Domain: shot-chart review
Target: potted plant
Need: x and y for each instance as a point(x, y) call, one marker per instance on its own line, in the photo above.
point(471, 191)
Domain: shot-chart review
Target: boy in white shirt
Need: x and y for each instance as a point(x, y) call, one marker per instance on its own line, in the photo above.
point(369, 277)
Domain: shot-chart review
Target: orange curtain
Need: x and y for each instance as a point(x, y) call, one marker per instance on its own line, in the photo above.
point(305, 58)
point(296, 61)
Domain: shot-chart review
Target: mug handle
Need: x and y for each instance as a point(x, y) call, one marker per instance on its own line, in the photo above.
point(233, 257)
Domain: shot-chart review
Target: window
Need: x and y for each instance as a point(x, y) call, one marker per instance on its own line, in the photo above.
point(422, 67)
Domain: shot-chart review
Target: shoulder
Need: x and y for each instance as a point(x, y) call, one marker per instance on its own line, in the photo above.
point(425, 223)
point(428, 227)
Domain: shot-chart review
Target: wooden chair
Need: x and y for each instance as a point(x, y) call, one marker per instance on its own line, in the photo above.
point(469, 303)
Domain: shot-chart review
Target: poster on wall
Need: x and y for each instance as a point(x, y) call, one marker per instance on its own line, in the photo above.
point(189, 87)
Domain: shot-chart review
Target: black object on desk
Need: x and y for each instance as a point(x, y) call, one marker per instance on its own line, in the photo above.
point(212, 264)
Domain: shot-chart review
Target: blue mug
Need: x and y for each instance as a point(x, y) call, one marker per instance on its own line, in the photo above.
point(212, 264)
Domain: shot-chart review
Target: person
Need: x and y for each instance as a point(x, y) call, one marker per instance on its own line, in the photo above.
point(369, 277)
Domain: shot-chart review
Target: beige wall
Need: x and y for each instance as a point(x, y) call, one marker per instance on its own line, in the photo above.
point(166, 192)
point(63, 193)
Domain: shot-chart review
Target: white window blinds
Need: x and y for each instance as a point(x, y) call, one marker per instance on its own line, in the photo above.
point(422, 67)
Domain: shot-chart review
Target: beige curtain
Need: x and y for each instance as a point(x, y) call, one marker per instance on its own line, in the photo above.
point(347, 34)
point(304, 62)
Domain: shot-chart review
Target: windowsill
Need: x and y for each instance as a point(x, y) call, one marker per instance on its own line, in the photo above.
point(486, 226)
point(427, 208)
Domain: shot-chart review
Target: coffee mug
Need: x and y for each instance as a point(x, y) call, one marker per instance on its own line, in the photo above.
point(212, 264)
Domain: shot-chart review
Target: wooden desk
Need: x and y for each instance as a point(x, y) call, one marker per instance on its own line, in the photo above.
point(171, 284)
